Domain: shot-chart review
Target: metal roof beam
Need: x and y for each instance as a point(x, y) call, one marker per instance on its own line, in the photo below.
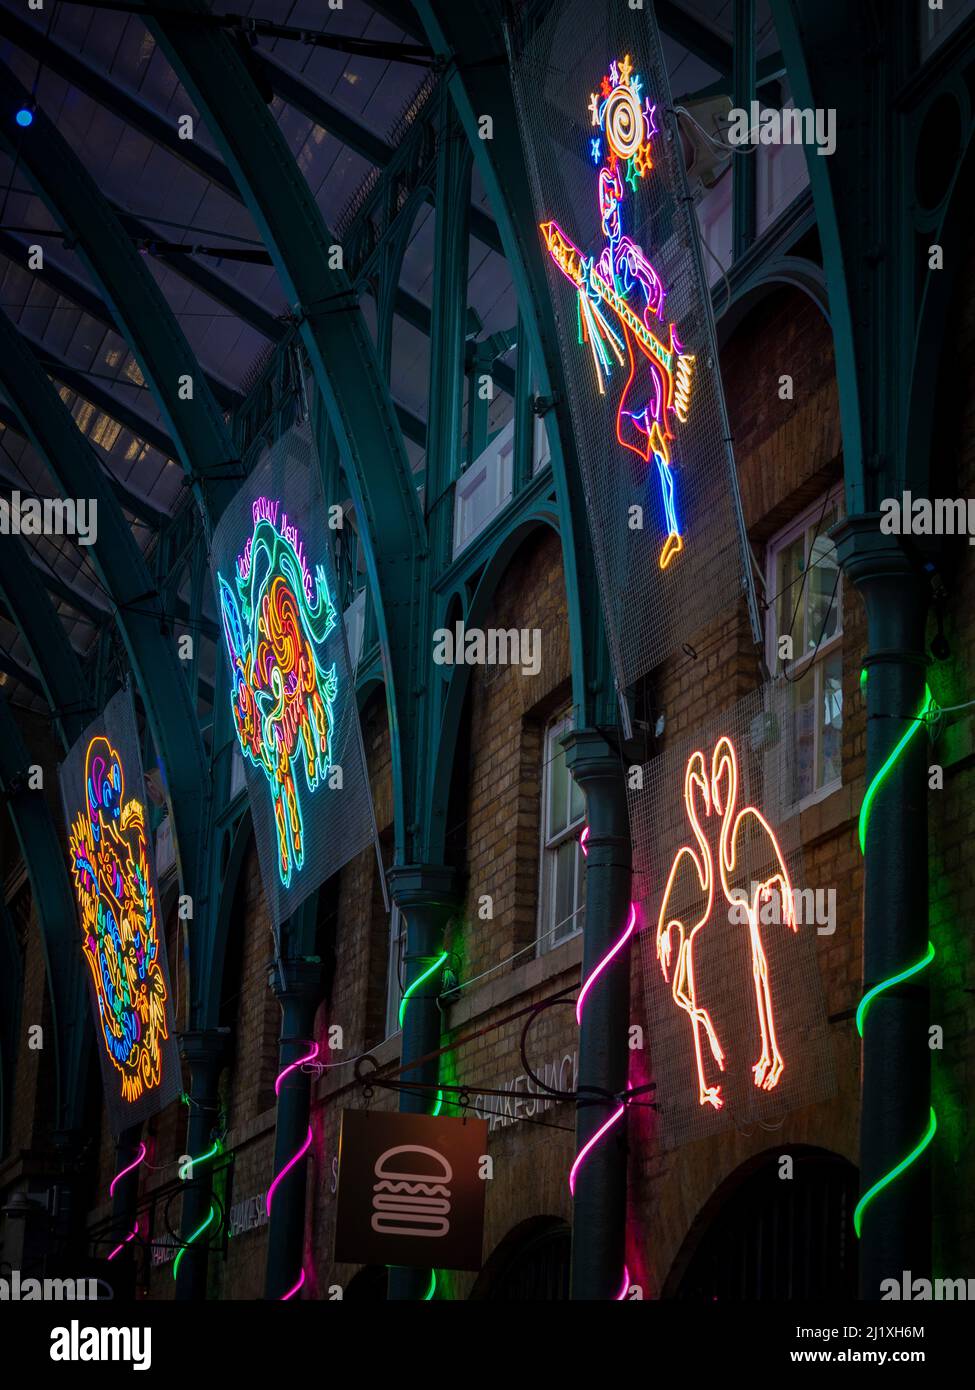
point(141, 618)
point(136, 506)
point(694, 35)
point(61, 679)
point(40, 846)
point(138, 305)
point(341, 351)
point(70, 287)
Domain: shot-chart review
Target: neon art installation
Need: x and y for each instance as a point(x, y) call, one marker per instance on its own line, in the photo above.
point(109, 852)
point(620, 1111)
point(927, 711)
point(276, 616)
point(692, 876)
point(620, 296)
point(298, 1065)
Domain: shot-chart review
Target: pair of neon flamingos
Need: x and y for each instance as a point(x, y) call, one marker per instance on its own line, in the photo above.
point(719, 794)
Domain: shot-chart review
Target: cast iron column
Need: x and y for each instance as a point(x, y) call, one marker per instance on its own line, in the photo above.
point(124, 1201)
point(202, 1050)
point(300, 993)
point(895, 1076)
point(426, 896)
point(599, 1222)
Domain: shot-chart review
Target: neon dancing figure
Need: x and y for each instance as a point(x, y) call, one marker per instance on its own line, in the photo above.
point(109, 852)
point(275, 624)
point(620, 296)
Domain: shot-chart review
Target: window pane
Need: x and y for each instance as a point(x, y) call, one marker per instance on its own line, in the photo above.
point(822, 590)
point(831, 738)
point(563, 895)
point(788, 577)
point(558, 792)
point(805, 714)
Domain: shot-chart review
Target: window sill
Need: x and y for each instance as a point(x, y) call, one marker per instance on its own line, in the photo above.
point(509, 984)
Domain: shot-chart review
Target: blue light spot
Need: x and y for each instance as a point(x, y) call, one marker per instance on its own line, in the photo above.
point(25, 117)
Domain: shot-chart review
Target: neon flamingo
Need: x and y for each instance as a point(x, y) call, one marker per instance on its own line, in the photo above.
point(724, 769)
point(683, 987)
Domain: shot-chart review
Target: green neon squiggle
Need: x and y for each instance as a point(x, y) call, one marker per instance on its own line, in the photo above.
point(407, 993)
point(198, 1232)
point(190, 1164)
point(892, 758)
point(888, 1178)
point(902, 975)
point(433, 1287)
point(871, 994)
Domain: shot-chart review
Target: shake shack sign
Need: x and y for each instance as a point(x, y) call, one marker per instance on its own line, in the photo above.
point(410, 1190)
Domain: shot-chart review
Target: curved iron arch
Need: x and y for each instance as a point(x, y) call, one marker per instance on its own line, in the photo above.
point(797, 272)
point(458, 680)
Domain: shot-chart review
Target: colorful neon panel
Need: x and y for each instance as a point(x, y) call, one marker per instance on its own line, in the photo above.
point(276, 617)
point(620, 295)
point(707, 793)
point(109, 853)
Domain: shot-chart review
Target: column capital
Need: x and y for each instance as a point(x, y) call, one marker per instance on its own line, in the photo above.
point(424, 885)
point(204, 1046)
point(865, 552)
point(296, 977)
point(590, 756)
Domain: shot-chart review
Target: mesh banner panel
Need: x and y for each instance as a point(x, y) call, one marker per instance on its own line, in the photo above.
point(113, 875)
point(292, 687)
point(726, 974)
point(635, 323)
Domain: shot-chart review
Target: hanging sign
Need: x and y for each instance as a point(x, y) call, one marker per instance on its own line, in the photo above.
point(410, 1190)
point(292, 689)
point(111, 865)
point(631, 305)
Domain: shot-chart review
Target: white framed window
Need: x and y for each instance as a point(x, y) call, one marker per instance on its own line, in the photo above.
point(395, 969)
point(805, 589)
point(562, 875)
point(485, 488)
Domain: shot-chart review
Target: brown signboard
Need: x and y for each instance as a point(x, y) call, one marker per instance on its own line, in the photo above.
point(410, 1191)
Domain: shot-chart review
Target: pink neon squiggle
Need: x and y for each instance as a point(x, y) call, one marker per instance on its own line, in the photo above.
point(293, 1066)
point(294, 1288)
point(131, 1236)
point(119, 1176)
point(624, 1287)
point(607, 958)
point(590, 1143)
point(287, 1168)
point(584, 841)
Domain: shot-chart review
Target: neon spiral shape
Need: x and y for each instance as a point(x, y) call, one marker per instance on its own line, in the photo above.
point(876, 783)
point(607, 959)
point(131, 1236)
point(276, 616)
point(623, 122)
point(591, 1143)
point(584, 992)
point(122, 1171)
point(293, 1066)
point(196, 1234)
point(108, 845)
point(287, 1169)
point(294, 1288)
